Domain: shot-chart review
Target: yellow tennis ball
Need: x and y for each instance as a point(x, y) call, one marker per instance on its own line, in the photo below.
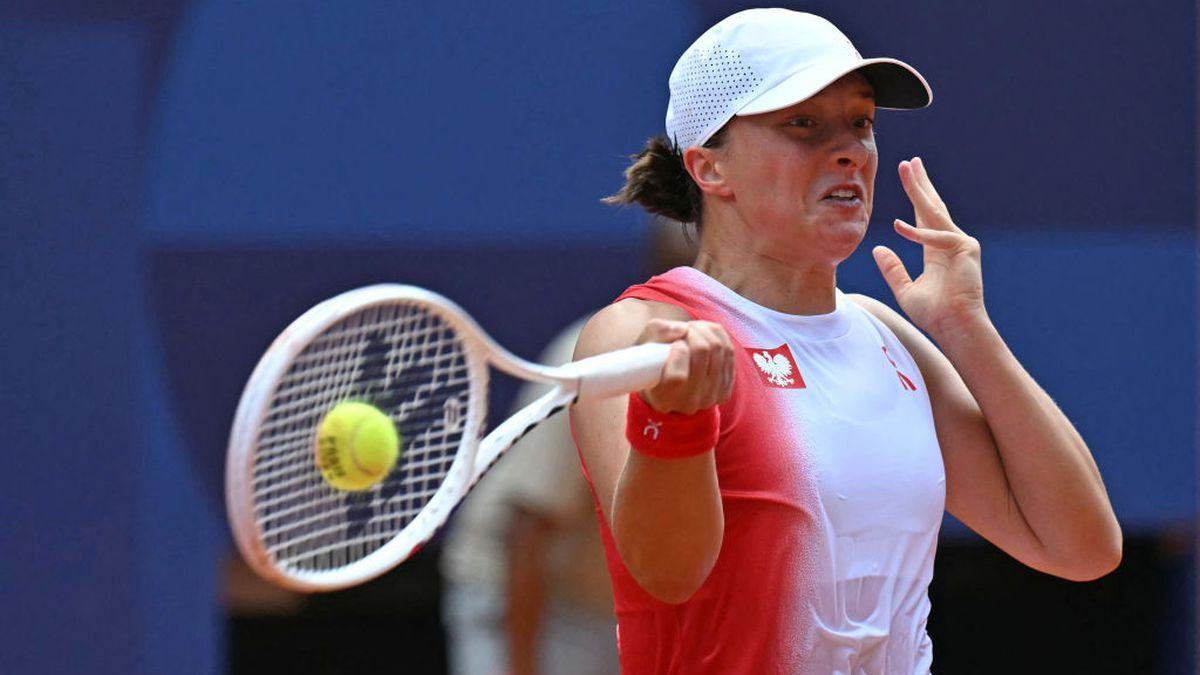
point(357, 445)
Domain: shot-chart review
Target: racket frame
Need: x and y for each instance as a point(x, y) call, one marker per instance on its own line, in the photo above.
point(599, 376)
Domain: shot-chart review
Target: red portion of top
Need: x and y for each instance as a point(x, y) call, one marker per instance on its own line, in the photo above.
point(750, 615)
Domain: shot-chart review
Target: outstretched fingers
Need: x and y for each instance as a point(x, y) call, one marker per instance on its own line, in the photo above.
point(927, 184)
point(931, 211)
point(939, 239)
point(913, 186)
point(892, 268)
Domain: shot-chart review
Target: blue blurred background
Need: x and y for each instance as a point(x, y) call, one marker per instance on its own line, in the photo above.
point(180, 178)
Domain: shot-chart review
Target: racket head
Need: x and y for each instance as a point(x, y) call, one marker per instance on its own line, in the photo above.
point(412, 353)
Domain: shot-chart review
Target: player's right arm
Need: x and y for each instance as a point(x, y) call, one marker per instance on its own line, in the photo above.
point(665, 514)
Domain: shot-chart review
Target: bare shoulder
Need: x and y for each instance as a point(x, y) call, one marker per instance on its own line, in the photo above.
point(619, 325)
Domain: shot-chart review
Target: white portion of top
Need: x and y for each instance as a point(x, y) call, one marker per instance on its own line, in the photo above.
point(869, 439)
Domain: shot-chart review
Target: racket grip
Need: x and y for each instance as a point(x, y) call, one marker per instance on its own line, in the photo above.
point(619, 372)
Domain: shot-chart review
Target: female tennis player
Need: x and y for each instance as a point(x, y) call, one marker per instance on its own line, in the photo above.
point(772, 506)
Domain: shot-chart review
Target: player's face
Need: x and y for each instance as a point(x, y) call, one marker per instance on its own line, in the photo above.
point(803, 177)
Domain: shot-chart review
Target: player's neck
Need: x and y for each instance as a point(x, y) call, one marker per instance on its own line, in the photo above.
point(784, 286)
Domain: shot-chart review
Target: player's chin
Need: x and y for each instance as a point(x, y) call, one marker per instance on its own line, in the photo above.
point(846, 233)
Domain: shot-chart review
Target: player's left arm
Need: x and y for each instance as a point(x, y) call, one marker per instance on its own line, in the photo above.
point(1017, 471)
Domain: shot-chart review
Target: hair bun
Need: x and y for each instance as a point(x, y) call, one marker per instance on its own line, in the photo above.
point(658, 182)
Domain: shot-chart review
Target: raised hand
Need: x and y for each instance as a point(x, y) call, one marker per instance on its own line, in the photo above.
point(948, 294)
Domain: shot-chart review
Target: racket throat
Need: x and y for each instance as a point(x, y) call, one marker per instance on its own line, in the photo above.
point(520, 423)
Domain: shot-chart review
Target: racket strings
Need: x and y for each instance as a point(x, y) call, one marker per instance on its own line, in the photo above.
point(410, 364)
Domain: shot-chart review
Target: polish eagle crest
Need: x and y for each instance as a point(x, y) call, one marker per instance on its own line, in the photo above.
point(776, 367)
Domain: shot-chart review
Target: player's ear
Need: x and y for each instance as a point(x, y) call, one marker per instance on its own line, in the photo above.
point(707, 170)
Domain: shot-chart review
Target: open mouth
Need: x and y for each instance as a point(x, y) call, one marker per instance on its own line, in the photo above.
point(843, 196)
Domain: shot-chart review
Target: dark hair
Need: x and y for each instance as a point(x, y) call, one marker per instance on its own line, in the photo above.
point(658, 181)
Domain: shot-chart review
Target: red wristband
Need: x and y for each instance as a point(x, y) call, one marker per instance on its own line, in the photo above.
point(670, 435)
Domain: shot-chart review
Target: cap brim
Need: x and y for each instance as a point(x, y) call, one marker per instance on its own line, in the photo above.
point(897, 85)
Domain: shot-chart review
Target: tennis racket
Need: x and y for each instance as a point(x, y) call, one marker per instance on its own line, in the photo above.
point(424, 362)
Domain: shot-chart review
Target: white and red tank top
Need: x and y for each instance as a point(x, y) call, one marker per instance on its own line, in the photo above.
point(833, 491)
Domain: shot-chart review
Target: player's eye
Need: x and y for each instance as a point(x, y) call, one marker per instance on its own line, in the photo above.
point(865, 123)
point(802, 122)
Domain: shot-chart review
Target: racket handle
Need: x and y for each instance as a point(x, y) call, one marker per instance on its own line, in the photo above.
point(619, 372)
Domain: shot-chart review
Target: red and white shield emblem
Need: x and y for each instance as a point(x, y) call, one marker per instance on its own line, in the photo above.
point(777, 367)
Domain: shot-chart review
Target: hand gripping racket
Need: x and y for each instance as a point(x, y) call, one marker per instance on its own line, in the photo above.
point(421, 360)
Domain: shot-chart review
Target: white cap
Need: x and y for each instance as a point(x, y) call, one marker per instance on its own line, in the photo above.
point(762, 60)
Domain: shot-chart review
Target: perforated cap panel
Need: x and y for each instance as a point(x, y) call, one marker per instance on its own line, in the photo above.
point(705, 88)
